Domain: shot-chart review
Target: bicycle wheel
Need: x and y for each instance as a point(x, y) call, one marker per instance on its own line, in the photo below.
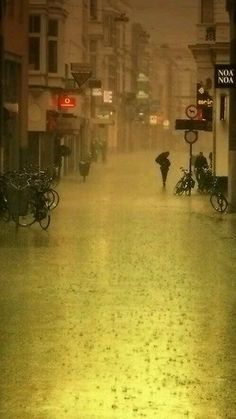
point(179, 188)
point(28, 219)
point(219, 202)
point(44, 222)
point(52, 198)
point(188, 188)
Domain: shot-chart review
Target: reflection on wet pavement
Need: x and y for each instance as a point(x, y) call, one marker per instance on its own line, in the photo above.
point(125, 307)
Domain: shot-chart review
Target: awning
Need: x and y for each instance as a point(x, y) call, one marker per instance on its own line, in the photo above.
point(11, 107)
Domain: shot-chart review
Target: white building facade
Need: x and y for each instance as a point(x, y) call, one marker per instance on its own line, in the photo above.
point(211, 48)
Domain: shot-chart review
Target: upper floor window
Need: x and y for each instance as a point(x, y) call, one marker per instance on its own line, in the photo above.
point(109, 29)
point(34, 42)
point(93, 9)
point(52, 50)
point(34, 24)
point(52, 27)
point(34, 53)
point(207, 11)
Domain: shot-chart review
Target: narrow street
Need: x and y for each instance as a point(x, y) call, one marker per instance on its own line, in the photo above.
point(126, 306)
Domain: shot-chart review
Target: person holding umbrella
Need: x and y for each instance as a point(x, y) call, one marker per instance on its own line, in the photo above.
point(164, 163)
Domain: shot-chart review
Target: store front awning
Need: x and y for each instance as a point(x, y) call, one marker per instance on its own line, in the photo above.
point(11, 107)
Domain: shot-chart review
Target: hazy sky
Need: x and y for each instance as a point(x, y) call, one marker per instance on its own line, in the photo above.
point(168, 21)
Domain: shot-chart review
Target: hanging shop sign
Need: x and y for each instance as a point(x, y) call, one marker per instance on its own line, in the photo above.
point(153, 119)
point(66, 102)
point(96, 92)
point(142, 95)
point(107, 96)
point(81, 72)
point(225, 75)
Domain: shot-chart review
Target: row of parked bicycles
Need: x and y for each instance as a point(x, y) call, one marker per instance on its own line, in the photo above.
point(28, 196)
point(207, 184)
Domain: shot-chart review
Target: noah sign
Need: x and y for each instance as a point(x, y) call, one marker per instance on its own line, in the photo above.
point(225, 75)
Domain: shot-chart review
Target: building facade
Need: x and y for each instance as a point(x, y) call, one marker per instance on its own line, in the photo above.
point(212, 48)
point(172, 82)
point(14, 84)
point(110, 39)
point(58, 68)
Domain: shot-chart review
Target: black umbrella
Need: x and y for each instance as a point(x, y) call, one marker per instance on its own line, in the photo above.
point(162, 156)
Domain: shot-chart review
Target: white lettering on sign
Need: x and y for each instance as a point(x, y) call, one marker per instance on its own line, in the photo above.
point(207, 102)
point(225, 79)
point(226, 73)
point(226, 76)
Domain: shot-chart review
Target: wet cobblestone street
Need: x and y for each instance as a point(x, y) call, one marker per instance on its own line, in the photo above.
point(126, 307)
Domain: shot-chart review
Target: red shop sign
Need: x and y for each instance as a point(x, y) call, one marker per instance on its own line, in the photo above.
point(66, 102)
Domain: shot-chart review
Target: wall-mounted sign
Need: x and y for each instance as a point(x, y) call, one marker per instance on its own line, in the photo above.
point(142, 95)
point(190, 124)
point(225, 75)
point(203, 97)
point(153, 119)
point(81, 72)
point(142, 77)
point(107, 96)
point(96, 92)
point(166, 123)
point(191, 111)
point(191, 136)
point(66, 102)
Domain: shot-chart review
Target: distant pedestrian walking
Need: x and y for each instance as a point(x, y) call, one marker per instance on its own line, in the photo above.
point(103, 148)
point(164, 163)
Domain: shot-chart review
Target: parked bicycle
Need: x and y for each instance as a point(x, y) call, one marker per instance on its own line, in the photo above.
point(27, 197)
point(38, 210)
point(206, 181)
point(185, 184)
point(217, 198)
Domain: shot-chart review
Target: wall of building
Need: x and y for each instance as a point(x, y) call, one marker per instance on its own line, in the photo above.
point(212, 47)
point(15, 35)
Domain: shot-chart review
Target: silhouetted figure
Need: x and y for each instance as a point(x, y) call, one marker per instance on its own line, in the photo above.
point(164, 163)
point(103, 148)
point(199, 166)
